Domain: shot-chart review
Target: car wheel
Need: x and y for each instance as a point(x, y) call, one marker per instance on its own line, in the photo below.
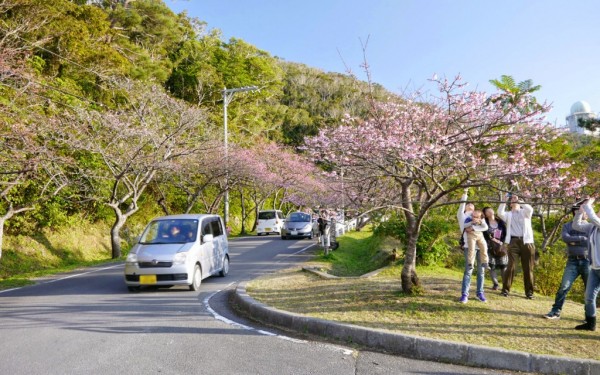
point(259, 234)
point(284, 237)
point(197, 278)
point(133, 289)
point(225, 269)
point(310, 236)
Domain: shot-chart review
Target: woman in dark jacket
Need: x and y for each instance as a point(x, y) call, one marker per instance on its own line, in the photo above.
point(495, 237)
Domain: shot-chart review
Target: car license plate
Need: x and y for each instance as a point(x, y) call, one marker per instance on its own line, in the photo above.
point(268, 230)
point(294, 233)
point(147, 279)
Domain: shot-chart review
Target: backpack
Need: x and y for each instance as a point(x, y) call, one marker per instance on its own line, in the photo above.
point(322, 223)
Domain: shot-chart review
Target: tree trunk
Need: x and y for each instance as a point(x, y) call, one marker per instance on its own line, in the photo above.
point(256, 209)
point(163, 204)
point(553, 236)
point(275, 197)
point(243, 208)
point(2, 221)
point(115, 234)
point(409, 276)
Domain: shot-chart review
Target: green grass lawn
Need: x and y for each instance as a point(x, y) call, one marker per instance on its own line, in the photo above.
point(514, 323)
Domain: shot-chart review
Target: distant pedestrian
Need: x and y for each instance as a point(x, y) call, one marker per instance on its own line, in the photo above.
point(495, 236)
point(324, 229)
point(465, 211)
point(593, 282)
point(519, 237)
point(578, 262)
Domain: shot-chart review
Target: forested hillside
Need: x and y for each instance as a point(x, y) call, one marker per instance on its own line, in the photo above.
point(112, 112)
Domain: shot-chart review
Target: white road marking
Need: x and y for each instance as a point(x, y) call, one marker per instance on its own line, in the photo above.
point(242, 326)
point(66, 277)
point(223, 319)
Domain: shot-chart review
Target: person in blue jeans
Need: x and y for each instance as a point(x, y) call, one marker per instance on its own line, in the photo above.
point(465, 210)
point(578, 263)
point(593, 283)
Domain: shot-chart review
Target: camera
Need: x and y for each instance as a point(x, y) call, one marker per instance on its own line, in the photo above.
point(578, 204)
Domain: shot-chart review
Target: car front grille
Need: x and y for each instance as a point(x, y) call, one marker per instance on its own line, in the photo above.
point(169, 277)
point(155, 265)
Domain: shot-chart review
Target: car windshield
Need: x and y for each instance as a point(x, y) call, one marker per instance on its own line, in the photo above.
point(299, 217)
point(170, 231)
point(266, 215)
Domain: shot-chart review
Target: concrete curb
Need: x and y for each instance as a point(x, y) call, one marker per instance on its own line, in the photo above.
point(415, 346)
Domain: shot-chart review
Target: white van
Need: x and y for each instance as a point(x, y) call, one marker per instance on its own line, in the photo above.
point(178, 250)
point(269, 221)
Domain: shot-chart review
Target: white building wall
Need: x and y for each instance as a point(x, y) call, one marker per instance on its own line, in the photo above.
point(572, 122)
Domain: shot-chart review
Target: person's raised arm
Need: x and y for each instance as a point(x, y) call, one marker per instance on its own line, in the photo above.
point(460, 215)
point(528, 210)
point(502, 211)
point(589, 210)
point(578, 223)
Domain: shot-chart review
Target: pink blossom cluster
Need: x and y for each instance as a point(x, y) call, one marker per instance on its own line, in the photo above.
point(271, 168)
point(458, 138)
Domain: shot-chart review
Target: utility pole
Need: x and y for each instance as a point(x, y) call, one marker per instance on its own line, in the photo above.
point(227, 97)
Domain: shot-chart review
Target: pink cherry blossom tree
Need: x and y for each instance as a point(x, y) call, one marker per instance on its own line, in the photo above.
point(419, 152)
point(272, 171)
point(197, 177)
point(123, 150)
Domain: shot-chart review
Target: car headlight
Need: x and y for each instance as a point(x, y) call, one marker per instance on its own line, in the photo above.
point(180, 258)
point(131, 259)
point(307, 227)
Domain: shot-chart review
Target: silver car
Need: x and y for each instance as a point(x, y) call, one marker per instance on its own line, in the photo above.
point(178, 250)
point(297, 224)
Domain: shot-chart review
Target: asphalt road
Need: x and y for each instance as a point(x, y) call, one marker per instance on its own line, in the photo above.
point(86, 322)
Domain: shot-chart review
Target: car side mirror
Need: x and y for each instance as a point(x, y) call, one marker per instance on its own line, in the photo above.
point(207, 238)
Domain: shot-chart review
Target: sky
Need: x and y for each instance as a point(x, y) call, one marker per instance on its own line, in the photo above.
point(554, 43)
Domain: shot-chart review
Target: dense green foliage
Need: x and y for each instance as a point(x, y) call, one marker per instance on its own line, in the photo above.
point(437, 237)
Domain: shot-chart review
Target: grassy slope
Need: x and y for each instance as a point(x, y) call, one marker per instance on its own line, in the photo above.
point(512, 323)
point(50, 251)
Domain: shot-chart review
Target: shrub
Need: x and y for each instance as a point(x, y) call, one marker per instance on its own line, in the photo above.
point(435, 240)
point(549, 271)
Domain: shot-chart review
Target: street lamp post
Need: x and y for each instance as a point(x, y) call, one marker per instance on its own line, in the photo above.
point(227, 97)
point(343, 203)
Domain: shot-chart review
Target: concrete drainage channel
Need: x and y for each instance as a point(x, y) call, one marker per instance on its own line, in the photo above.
point(414, 346)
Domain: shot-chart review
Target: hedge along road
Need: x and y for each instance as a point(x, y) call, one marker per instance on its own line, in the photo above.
point(87, 322)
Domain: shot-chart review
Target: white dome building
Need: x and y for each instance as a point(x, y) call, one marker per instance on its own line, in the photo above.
point(580, 110)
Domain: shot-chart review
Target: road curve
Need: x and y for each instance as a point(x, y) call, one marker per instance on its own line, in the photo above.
point(86, 322)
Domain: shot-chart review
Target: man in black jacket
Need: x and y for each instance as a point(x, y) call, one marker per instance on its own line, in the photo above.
point(578, 264)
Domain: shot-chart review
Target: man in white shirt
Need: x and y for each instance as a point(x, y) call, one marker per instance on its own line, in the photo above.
point(519, 237)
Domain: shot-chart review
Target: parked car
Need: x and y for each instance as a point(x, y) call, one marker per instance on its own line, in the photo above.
point(297, 224)
point(269, 221)
point(178, 250)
